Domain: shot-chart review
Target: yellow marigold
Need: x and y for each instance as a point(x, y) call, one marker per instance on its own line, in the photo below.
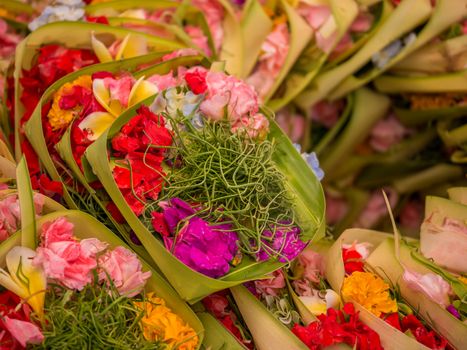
point(161, 324)
point(61, 118)
point(370, 291)
point(463, 279)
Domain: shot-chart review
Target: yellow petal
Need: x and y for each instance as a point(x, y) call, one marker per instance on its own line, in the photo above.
point(29, 278)
point(141, 90)
point(314, 304)
point(102, 94)
point(96, 122)
point(101, 51)
point(121, 49)
point(136, 13)
point(137, 46)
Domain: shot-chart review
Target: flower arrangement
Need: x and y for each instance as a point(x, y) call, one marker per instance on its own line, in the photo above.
point(165, 145)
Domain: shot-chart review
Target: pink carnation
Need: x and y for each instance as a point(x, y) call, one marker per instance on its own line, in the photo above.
point(312, 264)
point(271, 285)
point(63, 258)
point(214, 14)
point(386, 133)
point(432, 285)
point(125, 270)
point(163, 82)
point(255, 126)
point(274, 53)
point(227, 91)
point(199, 39)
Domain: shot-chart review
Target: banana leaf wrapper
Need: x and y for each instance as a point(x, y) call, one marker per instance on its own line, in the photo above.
point(391, 338)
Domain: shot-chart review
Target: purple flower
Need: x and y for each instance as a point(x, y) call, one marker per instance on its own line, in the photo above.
point(205, 248)
point(452, 309)
point(284, 243)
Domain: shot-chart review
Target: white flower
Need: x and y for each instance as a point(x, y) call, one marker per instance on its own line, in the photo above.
point(69, 10)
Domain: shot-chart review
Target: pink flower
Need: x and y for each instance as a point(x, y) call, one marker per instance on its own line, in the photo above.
point(63, 258)
point(227, 91)
point(163, 82)
point(303, 288)
point(434, 286)
point(119, 88)
point(274, 53)
point(8, 41)
point(312, 265)
point(386, 133)
point(125, 270)
point(23, 331)
point(336, 208)
point(255, 126)
point(327, 113)
point(362, 23)
point(314, 15)
point(411, 215)
point(293, 124)
point(199, 39)
point(214, 14)
point(376, 209)
point(271, 285)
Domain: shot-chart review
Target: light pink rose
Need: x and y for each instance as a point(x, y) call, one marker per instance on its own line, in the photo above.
point(314, 15)
point(24, 332)
point(376, 209)
point(120, 88)
point(434, 286)
point(293, 124)
point(163, 82)
point(312, 264)
point(274, 53)
point(271, 285)
point(386, 133)
point(199, 39)
point(214, 14)
point(125, 270)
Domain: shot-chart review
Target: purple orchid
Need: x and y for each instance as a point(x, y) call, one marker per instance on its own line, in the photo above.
point(285, 243)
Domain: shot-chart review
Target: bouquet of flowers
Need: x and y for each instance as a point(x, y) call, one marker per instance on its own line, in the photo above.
point(181, 170)
point(68, 261)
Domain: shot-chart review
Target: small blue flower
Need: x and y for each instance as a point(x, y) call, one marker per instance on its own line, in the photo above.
point(312, 161)
point(382, 58)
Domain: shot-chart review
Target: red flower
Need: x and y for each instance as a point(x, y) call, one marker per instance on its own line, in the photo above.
point(115, 212)
point(217, 304)
point(196, 80)
point(97, 19)
point(31, 158)
point(47, 186)
point(423, 336)
point(393, 320)
point(338, 327)
point(353, 261)
point(159, 224)
point(8, 304)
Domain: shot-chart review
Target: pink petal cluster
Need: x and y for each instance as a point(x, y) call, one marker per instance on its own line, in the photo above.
point(23, 331)
point(271, 285)
point(375, 208)
point(10, 216)
point(8, 40)
point(214, 14)
point(327, 113)
point(312, 265)
point(314, 15)
point(199, 39)
point(164, 81)
point(65, 259)
point(293, 124)
point(274, 53)
point(180, 53)
point(386, 133)
point(120, 88)
point(434, 286)
point(124, 269)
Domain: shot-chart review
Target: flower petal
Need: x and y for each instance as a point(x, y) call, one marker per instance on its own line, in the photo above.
point(122, 47)
point(24, 332)
point(141, 90)
point(101, 51)
point(97, 123)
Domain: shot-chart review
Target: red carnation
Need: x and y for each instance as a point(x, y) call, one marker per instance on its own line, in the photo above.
point(196, 80)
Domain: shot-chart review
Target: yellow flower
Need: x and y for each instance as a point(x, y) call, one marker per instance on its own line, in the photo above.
point(463, 279)
point(161, 324)
point(61, 118)
point(370, 291)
